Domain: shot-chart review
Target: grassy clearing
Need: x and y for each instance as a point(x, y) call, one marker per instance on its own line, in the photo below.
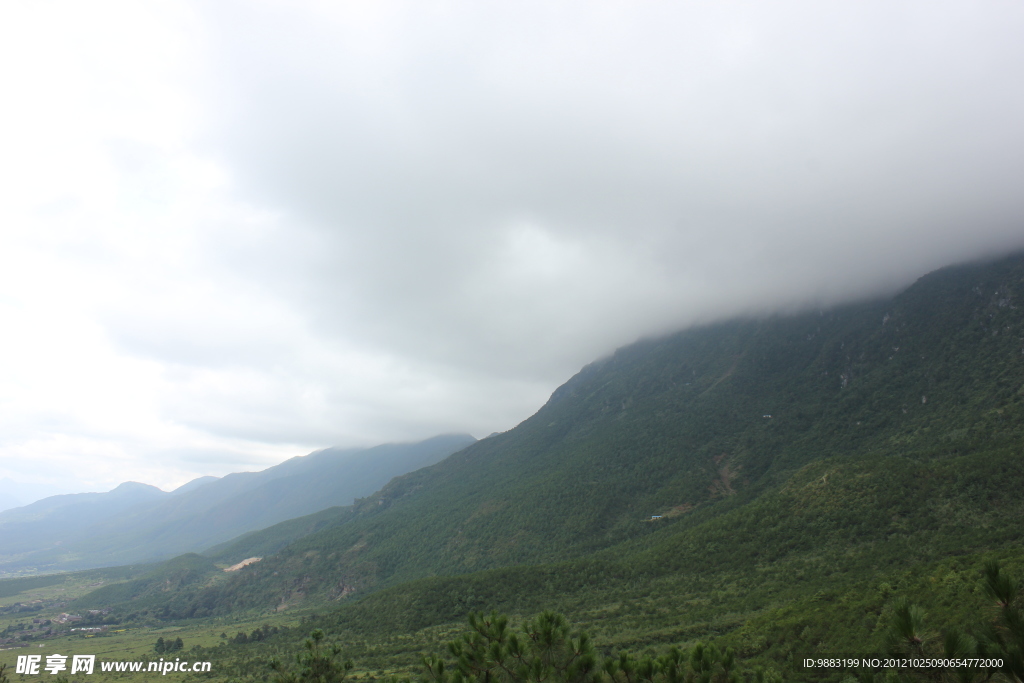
point(64, 588)
point(202, 640)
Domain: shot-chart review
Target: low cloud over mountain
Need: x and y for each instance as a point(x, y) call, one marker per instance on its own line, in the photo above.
point(240, 231)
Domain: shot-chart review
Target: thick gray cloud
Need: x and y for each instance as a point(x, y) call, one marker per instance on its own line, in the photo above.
point(333, 223)
point(515, 189)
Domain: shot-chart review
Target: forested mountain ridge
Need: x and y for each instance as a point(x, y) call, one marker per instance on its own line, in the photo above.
point(649, 451)
point(161, 525)
point(51, 520)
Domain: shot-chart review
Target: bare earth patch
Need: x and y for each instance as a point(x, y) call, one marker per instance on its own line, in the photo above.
point(243, 563)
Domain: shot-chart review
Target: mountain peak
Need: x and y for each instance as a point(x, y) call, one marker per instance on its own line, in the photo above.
point(136, 487)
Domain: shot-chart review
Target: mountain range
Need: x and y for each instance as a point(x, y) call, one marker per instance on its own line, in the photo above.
point(137, 522)
point(16, 494)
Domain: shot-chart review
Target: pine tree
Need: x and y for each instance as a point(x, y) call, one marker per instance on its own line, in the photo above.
point(546, 651)
point(318, 664)
point(1007, 631)
point(906, 634)
point(1001, 639)
point(493, 653)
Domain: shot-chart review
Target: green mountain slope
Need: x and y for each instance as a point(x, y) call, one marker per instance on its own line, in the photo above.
point(722, 432)
point(268, 541)
point(151, 587)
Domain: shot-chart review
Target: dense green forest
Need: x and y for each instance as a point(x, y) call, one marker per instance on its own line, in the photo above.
point(783, 488)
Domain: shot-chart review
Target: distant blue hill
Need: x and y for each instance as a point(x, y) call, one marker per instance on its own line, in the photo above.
point(137, 522)
point(16, 494)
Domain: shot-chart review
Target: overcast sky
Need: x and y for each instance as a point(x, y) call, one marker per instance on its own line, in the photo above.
point(234, 232)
